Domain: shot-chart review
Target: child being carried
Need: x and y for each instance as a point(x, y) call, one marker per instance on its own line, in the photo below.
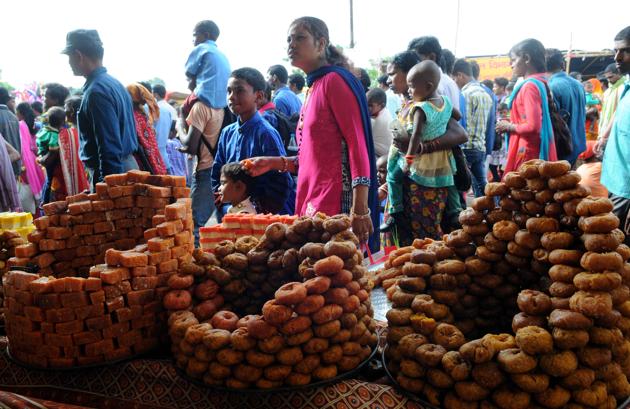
point(427, 120)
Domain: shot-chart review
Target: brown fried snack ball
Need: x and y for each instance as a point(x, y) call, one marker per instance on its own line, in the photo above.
point(554, 169)
point(554, 397)
point(230, 357)
point(399, 316)
point(526, 239)
point(455, 365)
point(476, 266)
point(531, 382)
point(522, 195)
point(534, 340)
point(592, 206)
point(592, 261)
point(533, 208)
point(542, 225)
point(521, 320)
point(509, 398)
point(477, 351)
point(567, 181)
point(603, 223)
point(485, 254)
point(453, 401)
point(449, 336)
point(562, 290)
point(429, 354)
point(499, 341)
point(496, 189)
point(412, 368)
point(609, 372)
point(410, 384)
point(619, 387)
point(497, 215)
point(594, 396)
point(581, 378)
point(559, 364)
point(504, 230)
point(514, 181)
point(606, 281)
point(494, 244)
point(453, 267)
point(553, 209)
point(514, 360)
point(483, 203)
point(594, 357)
point(439, 378)
point(592, 304)
point(529, 169)
point(569, 339)
point(556, 240)
point(471, 391)
point(534, 302)
point(561, 256)
point(518, 250)
point(488, 375)
point(458, 238)
point(605, 336)
point(563, 273)
point(544, 196)
point(393, 334)
point(509, 204)
point(566, 319)
point(476, 230)
point(409, 343)
point(470, 216)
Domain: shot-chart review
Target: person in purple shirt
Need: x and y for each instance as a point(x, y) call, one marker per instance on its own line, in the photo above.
point(285, 100)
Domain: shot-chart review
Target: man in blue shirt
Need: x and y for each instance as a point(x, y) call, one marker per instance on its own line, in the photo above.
point(285, 100)
point(251, 136)
point(616, 163)
point(568, 94)
point(107, 131)
point(163, 125)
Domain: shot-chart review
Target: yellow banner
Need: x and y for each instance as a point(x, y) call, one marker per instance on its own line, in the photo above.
point(493, 67)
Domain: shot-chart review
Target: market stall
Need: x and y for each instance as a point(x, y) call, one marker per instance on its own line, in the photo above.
point(110, 305)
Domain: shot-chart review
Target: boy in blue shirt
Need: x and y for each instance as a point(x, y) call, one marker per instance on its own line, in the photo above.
point(250, 136)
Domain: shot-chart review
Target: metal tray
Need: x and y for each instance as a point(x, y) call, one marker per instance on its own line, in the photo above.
point(318, 384)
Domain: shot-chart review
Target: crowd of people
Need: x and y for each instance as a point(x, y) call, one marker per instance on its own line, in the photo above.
point(412, 144)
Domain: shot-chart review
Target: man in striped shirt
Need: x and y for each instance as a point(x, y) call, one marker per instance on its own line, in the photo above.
point(478, 108)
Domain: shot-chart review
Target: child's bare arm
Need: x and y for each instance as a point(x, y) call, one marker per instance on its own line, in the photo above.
point(456, 115)
point(416, 137)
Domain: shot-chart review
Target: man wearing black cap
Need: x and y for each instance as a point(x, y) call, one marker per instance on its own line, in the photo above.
point(106, 125)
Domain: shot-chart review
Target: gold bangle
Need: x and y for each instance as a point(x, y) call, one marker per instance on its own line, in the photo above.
point(360, 216)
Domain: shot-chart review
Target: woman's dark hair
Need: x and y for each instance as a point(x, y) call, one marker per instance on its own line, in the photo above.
point(28, 114)
point(364, 77)
point(297, 80)
point(406, 60)
point(318, 29)
point(535, 50)
point(237, 173)
point(251, 76)
point(488, 84)
point(74, 103)
point(57, 92)
point(37, 106)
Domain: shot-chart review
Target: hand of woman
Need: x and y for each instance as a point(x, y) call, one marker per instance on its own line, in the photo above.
point(504, 126)
point(362, 228)
point(258, 165)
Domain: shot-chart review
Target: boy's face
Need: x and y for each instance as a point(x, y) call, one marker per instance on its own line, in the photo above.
point(242, 98)
point(231, 191)
point(374, 108)
point(381, 171)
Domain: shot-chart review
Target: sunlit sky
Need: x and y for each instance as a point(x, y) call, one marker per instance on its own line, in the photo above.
point(145, 39)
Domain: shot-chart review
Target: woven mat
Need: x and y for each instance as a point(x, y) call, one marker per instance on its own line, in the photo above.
point(154, 383)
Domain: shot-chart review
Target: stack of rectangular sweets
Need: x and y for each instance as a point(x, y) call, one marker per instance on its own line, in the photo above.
point(116, 311)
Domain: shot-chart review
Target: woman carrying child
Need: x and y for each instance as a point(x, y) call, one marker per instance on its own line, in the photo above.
point(422, 205)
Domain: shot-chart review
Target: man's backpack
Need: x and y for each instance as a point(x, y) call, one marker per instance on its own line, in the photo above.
point(286, 126)
point(561, 131)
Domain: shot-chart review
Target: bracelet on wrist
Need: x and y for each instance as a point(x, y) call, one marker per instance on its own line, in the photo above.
point(360, 216)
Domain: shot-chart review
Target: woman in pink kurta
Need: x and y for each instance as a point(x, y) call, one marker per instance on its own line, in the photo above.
point(337, 173)
point(525, 124)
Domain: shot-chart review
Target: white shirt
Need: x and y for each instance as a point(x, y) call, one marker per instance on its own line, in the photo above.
point(448, 88)
point(381, 133)
point(246, 206)
point(394, 103)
